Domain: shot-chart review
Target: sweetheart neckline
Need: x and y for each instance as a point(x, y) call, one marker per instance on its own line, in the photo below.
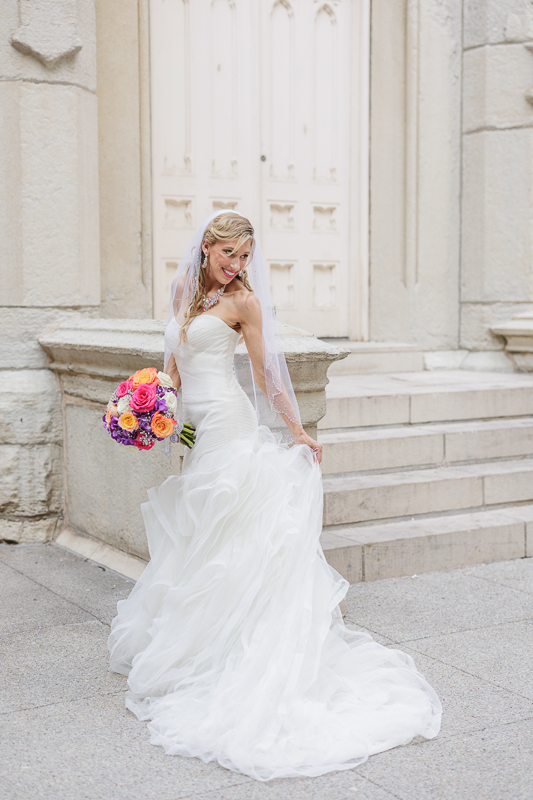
point(212, 316)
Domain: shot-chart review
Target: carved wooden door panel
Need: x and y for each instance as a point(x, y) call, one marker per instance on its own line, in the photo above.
point(253, 109)
point(305, 114)
point(204, 123)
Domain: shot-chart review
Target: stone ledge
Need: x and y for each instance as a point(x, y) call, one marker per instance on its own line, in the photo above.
point(90, 354)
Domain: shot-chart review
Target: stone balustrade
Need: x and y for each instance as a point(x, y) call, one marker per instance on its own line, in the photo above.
point(105, 483)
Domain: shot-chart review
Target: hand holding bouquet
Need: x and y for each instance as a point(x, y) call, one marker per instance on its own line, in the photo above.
point(142, 411)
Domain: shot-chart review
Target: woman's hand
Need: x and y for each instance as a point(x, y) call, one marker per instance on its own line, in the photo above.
point(301, 437)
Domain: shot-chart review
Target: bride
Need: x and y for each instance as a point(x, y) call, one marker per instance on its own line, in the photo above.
point(232, 639)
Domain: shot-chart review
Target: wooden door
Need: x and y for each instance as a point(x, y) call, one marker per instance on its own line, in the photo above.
point(260, 105)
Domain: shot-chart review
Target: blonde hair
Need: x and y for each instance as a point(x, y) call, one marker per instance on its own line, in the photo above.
point(223, 228)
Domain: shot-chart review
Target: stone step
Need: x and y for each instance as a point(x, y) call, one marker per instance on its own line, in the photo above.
point(407, 446)
point(356, 498)
point(395, 549)
point(377, 357)
point(355, 401)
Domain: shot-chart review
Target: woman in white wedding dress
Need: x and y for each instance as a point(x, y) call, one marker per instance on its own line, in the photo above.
point(232, 639)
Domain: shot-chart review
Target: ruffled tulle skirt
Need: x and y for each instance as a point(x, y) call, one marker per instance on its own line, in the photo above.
point(232, 639)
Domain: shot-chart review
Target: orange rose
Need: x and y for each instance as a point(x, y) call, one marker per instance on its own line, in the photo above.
point(162, 426)
point(112, 411)
point(148, 375)
point(128, 422)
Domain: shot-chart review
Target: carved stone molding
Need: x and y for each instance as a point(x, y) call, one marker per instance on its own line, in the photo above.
point(48, 31)
point(518, 334)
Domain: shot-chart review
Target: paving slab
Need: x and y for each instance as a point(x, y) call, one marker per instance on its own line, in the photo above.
point(335, 786)
point(27, 606)
point(57, 663)
point(94, 749)
point(405, 609)
point(87, 585)
point(494, 764)
point(500, 654)
point(516, 574)
point(470, 703)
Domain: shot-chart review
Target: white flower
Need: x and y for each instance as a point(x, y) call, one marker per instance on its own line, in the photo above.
point(165, 380)
point(172, 402)
point(123, 404)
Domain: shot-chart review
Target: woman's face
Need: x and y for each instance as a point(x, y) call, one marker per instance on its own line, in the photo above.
point(224, 263)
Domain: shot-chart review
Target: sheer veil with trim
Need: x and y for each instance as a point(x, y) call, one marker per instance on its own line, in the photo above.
point(280, 393)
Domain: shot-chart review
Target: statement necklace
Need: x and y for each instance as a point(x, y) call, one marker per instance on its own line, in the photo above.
point(209, 302)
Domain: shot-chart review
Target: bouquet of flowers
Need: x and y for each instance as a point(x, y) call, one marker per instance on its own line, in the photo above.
point(141, 411)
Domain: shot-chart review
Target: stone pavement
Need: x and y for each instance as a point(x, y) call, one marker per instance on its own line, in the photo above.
point(66, 735)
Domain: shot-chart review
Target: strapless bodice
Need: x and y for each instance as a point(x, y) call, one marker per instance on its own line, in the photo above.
point(212, 398)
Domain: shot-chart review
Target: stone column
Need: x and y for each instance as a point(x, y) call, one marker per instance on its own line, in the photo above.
point(497, 183)
point(49, 241)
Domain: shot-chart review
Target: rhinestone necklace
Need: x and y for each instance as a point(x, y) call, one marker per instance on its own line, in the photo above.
point(209, 302)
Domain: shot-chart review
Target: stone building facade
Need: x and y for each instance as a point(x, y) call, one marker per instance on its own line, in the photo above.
point(394, 198)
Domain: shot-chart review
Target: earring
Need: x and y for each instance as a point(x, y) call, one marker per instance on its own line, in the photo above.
point(240, 273)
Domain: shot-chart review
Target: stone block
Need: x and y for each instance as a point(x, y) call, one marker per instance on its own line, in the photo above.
point(493, 439)
point(359, 411)
point(372, 357)
point(471, 404)
point(488, 361)
point(361, 498)
point(477, 319)
point(78, 67)
point(29, 531)
point(53, 249)
point(512, 483)
point(343, 555)
point(494, 21)
point(497, 242)
point(428, 545)
point(444, 359)
point(391, 448)
point(495, 82)
point(107, 482)
point(31, 479)
point(20, 329)
point(30, 407)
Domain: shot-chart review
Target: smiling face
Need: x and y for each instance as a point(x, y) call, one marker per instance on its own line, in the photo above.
point(224, 262)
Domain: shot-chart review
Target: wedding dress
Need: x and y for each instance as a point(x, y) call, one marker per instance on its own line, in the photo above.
point(232, 638)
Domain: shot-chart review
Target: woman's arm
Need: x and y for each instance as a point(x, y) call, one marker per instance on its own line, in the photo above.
point(172, 371)
point(251, 326)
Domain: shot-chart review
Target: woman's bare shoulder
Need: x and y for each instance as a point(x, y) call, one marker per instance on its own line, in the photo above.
point(246, 303)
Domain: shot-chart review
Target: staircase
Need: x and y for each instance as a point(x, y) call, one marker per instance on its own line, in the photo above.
point(426, 471)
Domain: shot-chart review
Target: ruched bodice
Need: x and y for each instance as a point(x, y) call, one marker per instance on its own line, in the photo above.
point(212, 398)
point(232, 639)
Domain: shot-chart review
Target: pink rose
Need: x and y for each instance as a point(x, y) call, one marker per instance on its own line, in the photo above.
point(123, 388)
point(143, 398)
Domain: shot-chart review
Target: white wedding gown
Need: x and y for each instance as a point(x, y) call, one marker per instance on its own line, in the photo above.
point(232, 638)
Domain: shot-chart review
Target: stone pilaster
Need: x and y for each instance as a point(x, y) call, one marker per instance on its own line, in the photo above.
point(497, 182)
point(49, 241)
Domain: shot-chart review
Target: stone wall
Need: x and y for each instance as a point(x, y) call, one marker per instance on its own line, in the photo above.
point(49, 240)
